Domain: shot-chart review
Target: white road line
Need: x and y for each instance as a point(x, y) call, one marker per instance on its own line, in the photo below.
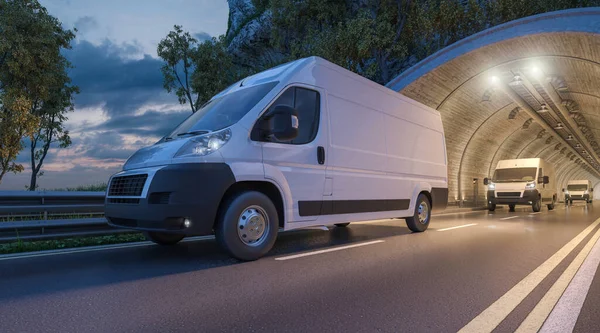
point(328, 250)
point(489, 319)
point(540, 313)
point(566, 312)
point(535, 213)
point(98, 248)
point(510, 217)
point(458, 227)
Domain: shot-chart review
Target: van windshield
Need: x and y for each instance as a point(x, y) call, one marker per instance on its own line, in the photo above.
point(514, 175)
point(223, 111)
point(577, 187)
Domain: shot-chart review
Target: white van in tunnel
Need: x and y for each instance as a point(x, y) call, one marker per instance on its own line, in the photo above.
point(307, 143)
point(578, 190)
point(526, 181)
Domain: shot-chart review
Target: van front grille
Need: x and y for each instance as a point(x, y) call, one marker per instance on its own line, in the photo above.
point(508, 194)
point(128, 186)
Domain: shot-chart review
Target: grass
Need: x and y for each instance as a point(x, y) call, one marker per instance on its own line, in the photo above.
point(100, 187)
point(20, 246)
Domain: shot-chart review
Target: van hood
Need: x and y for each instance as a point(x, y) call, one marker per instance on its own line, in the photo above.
point(512, 186)
point(155, 155)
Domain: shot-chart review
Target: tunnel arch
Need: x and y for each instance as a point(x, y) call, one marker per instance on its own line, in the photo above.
point(505, 91)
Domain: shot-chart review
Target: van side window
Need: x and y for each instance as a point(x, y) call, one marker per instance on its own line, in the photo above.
point(308, 104)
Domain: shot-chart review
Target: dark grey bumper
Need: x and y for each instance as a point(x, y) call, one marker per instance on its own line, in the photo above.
point(192, 190)
point(528, 197)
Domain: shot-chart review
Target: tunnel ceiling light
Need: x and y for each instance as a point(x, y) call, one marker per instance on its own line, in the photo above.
point(569, 137)
point(494, 79)
point(577, 146)
point(559, 126)
point(543, 109)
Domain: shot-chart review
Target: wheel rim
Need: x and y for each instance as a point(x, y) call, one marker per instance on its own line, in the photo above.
point(253, 226)
point(423, 212)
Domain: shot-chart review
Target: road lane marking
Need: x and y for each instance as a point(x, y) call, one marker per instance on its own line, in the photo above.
point(535, 213)
point(510, 217)
point(538, 315)
point(566, 312)
point(491, 317)
point(329, 250)
point(457, 227)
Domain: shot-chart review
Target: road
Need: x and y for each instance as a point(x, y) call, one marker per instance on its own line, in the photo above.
point(467, 270)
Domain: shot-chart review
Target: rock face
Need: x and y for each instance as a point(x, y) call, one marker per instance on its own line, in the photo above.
point(249, 35)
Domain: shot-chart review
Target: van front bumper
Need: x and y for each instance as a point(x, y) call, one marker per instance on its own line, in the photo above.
point(529, 196)
point(176, 192)
point(585, 197)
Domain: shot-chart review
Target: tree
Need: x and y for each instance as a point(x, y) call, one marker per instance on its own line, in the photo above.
point(31, 41)
point(177, 50)
point(51, 113)
point(214, 69)
point(196, 71)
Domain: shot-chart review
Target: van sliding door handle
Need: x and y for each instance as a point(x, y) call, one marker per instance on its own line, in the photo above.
point(321, 155)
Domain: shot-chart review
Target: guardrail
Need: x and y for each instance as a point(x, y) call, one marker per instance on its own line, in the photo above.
point(59, 215)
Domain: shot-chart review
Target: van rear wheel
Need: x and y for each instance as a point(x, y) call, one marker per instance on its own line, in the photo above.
point(163, 238)
point(247, 226)
point(420, 219)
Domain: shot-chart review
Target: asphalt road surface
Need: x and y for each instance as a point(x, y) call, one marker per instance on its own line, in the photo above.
point(472, 272)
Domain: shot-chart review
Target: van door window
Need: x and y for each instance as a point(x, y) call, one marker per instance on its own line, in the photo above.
point(308, 104)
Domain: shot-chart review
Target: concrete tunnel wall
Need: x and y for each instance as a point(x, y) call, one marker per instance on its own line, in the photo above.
point(486, 121)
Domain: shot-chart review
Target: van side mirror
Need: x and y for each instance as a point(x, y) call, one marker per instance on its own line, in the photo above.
point(486, 181)
point(563, 189)
point(282, 122)
point(546, 180)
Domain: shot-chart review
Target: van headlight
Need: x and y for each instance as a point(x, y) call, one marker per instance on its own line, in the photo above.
point(530, 186)
point(491, 186)
point(204, 144)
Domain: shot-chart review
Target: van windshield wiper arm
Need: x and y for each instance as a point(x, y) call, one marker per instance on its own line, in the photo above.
point(194, 132)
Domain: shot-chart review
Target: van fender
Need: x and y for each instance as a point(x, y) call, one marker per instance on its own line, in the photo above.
point(256, 171)
point(419, 187)
point(273, 175)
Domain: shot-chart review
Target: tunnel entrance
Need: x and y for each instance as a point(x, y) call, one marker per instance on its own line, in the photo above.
point(527, 88)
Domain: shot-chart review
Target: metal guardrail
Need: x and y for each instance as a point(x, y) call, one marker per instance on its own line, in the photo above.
point(19, 208)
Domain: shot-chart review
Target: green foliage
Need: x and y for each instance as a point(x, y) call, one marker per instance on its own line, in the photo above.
point(30, 51)
point(101, 187)
point(196, 71)
point(23, 246)
point(177, 50)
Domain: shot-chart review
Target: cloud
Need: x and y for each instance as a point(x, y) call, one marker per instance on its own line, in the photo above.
point(85, 24)
point(107, 76)
point(202, 36)
point(150, 123)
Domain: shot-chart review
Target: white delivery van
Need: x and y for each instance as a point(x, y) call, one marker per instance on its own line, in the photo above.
point(578, 190)
point(307, 143)
point(525, 181)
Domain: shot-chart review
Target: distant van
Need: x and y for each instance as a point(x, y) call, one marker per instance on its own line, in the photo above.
point(307, 143)
point(578, 190)
point(526, 181)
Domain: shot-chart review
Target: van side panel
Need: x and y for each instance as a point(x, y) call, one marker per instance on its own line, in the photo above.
point(357, 154)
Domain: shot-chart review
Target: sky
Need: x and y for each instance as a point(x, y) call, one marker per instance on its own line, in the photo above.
point(122, 105)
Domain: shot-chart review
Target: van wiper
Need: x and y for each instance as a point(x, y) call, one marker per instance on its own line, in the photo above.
point(194, 132)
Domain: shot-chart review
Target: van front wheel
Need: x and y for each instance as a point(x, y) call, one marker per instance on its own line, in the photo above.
point(247, 226)
point(420, 219)
point(536, 206)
